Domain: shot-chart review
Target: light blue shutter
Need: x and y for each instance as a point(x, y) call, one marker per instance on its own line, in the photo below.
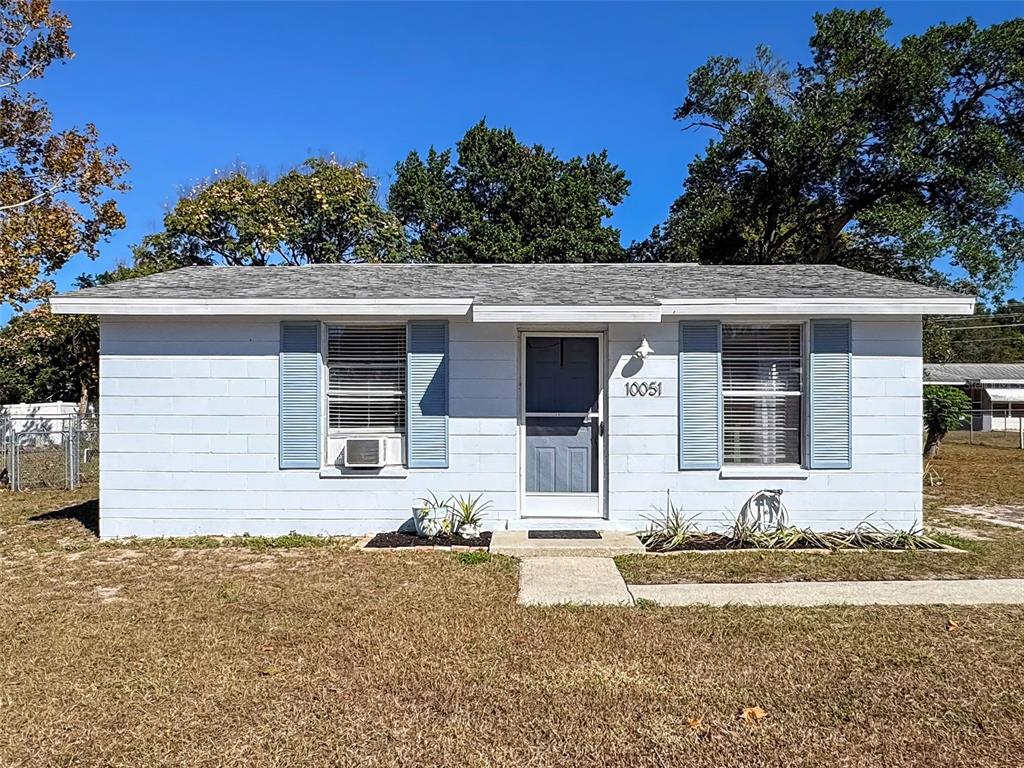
point(829, 411)
point(427, 382)
point(700, 395)
point(299, 396)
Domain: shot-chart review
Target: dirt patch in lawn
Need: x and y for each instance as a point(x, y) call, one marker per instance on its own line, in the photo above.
point(1012, 517)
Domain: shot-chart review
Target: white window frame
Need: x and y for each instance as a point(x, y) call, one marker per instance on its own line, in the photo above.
point(338, 432)
point(802, 427)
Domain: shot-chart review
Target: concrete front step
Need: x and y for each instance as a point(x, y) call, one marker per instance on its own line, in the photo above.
point(571, 580)
point(611, 544)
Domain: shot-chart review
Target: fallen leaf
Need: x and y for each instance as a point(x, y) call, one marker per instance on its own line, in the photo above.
point(695, 723)
point(952, 625)
point(270, 671)
point(752, 714)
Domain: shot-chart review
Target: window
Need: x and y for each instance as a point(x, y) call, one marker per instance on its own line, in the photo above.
point(761, 391)
point(366, 378)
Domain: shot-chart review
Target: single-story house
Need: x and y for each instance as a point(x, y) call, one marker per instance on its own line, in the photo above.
point(330, 398)
point(996, 391)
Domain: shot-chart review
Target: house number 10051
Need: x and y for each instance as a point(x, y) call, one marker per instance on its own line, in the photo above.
point(643, 389)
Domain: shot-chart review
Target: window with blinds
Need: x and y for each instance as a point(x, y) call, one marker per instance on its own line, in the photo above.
point(761, 391)
point(366, 378)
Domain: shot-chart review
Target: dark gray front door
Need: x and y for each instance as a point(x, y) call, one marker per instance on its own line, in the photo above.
point(562, 419)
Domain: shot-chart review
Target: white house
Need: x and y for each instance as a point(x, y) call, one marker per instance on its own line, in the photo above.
point(329, 398)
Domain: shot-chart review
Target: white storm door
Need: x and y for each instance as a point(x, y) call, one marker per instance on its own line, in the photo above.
point(563, 428)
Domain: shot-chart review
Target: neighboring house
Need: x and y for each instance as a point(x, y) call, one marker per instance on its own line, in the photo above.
point(996, 391)
point(262, 400)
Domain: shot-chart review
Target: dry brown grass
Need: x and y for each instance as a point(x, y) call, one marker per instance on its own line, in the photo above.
point(971, 474)
point(147, 655)
point(225, 657)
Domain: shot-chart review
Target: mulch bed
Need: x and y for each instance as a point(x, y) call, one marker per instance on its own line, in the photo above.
point(397, 539)
point(717, 542)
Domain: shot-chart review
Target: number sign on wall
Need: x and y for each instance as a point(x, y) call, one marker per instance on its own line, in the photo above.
point(643, 389)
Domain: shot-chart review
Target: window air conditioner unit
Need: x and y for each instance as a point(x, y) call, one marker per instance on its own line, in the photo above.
point(364, 452)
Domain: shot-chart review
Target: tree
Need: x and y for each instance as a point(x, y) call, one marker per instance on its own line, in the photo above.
point(322, 211)
point(890, 158)
point(503, 201)
point(46, 357)
point(945, 409)
point(988, 336)
point(54, 185)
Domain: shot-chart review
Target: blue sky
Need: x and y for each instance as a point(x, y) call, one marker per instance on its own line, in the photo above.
point(184, 88)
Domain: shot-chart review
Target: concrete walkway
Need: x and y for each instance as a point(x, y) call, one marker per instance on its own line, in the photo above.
point(808, 593)
point(596, 581)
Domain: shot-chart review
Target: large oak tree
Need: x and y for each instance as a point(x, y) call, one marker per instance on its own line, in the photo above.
point(891, 157)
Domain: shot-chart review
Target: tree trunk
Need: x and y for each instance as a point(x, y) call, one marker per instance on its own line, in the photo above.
point(83, 397)
point(932, 443)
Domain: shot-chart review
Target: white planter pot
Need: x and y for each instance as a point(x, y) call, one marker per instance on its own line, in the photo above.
point(469, 531)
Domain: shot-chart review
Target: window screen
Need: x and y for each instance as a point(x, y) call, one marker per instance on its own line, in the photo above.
point(366, 377)
point(761, 391)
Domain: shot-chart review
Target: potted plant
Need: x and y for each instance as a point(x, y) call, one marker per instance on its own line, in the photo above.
point(432, 516)
point(468, 514)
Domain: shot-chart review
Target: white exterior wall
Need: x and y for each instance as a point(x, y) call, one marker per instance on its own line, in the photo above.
point(189, 420)
point(883, 486)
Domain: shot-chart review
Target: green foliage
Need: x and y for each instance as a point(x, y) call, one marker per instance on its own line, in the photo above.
point(984, 337)
point(945, 409)
point(321, 212)
point(503, 201)
point(473, 558)
point(46, 357)
point(468, 510)
point(878, 156)
point(670, 528)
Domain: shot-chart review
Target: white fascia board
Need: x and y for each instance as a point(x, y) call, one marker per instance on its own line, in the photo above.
point(955, 305)
point(947, 383)
point(565, 314)
point(293, 307)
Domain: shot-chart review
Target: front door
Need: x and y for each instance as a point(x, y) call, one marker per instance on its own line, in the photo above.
point(562, 424)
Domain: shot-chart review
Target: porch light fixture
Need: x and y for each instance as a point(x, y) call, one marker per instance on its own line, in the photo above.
point(643, 350)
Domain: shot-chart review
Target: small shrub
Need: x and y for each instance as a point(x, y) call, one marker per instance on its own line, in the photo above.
point(670, 529)
point(467, 511)
point(945, 408)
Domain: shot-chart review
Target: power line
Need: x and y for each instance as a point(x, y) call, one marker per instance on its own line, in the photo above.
point(968, 318)
point(996, 326)
point(990, 338)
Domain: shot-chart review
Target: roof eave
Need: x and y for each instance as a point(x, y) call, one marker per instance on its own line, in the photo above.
point(938, 305)
point(74, 304)
point(292, 307)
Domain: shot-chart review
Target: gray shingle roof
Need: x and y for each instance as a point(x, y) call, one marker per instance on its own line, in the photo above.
point(525, 284)
point(964, 372)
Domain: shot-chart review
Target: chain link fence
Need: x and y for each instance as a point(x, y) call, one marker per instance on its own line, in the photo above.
point(45, 452)
point(1001, 426)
